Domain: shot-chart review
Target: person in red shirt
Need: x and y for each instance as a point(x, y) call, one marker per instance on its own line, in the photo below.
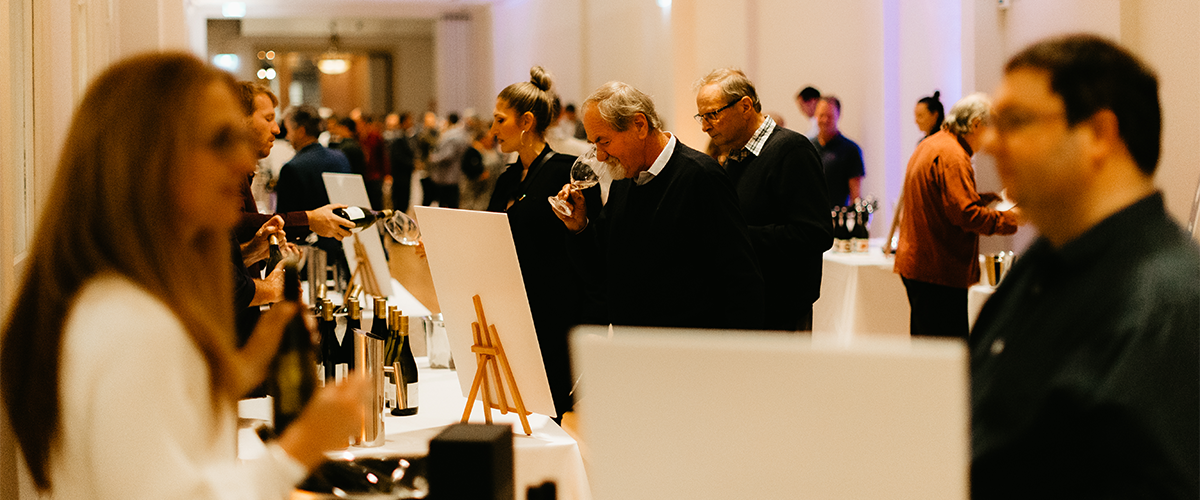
point(942, 219)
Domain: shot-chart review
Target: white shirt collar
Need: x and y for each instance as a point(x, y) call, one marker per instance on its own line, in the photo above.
point(660, 162)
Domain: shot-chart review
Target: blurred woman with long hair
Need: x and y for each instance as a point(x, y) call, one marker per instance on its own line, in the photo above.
point(120, 376)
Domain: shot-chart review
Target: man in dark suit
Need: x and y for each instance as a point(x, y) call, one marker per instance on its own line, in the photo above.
point(781, 192)
point(300, 186)
point(670, 247)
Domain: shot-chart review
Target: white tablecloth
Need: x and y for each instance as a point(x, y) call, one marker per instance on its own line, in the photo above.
point(548, 455)
point(976, 296)
point(860, 295)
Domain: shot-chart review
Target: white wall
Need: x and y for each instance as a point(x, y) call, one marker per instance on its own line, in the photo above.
point(1164, 33)
point(68, 43)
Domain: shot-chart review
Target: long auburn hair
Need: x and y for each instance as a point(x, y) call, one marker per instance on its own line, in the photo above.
point(112, 211)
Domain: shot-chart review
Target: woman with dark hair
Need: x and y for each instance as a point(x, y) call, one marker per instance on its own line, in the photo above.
point(120, 376)
point(523, 112)
point(929, 114)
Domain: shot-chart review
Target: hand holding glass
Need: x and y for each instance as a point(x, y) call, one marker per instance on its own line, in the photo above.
point(583, 176)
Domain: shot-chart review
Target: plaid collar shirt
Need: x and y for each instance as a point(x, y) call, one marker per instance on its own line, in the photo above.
point(755, 144)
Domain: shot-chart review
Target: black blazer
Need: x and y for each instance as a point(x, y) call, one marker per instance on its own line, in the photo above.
point(675, 251)
point(783, 196)
point(540, 239)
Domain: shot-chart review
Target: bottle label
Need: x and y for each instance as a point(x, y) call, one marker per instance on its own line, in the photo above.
point(355, 213)
point(841, 246)
point(859, 245)
point(413, 397)
point(389, 393)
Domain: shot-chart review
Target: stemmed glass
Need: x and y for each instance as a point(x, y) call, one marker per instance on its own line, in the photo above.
point(403, 228)
point(583, 176)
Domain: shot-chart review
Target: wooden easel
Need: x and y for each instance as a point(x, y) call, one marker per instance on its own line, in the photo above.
point(490, 354)
point(363, 269)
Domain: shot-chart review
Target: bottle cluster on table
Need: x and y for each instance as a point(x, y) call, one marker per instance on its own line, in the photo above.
point(850, 234)
point(300, 366)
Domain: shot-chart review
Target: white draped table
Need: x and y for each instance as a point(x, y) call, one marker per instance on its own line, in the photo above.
point(550, 454)
point(860, 295)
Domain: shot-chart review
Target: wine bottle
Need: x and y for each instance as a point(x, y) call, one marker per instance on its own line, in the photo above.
point(275, 255)
point(327, 327)
point(361, 217)
point(841, 233)
point(293, 375)
point(353, 322)
point(379, 330)
point(859, 237)
point(406, 371)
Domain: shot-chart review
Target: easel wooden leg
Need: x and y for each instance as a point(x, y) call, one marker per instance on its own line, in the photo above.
point(512, 381)
point(489, 351)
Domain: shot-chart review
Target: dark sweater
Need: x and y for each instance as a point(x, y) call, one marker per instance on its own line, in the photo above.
point(674, 252)
point(782, 195)
point(540, 240)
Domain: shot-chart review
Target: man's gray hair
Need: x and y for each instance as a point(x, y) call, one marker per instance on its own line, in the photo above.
point(619, 102)
point(733, 83)
point(968, 112)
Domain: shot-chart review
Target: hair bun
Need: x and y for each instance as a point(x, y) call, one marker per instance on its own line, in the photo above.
point(540, 78)
point(936, 94)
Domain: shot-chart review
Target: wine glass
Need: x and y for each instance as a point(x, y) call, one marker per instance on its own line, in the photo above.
point(583, 176)
point(403, 228)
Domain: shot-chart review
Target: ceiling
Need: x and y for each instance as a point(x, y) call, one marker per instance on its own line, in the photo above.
point(280, 9)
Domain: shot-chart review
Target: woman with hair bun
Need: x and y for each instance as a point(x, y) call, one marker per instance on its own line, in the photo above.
point(930, 114)
point(523, 112)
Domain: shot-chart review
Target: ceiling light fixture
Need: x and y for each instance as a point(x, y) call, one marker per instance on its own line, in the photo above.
point(333, 61)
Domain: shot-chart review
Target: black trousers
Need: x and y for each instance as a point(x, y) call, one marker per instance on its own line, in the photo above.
point(937, 310)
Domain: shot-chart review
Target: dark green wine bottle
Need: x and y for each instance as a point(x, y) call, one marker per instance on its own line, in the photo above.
point(293, 372)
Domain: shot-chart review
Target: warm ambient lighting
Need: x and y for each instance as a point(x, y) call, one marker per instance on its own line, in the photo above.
point(333, 65)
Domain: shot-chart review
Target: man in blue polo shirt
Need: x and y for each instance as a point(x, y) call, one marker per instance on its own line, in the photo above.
point(841, 157)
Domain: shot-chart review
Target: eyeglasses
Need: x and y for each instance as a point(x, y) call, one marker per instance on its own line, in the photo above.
point(712, 115)
point(1013, 121)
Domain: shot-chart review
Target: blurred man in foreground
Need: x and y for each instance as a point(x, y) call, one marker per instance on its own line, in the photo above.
point(1085, 366)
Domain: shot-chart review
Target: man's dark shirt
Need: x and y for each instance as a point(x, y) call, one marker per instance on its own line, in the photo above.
point(842, 159)
point(673, 252)
point(354, 154)
point(782, 195)
point(252, 221)
point(1085, 367)
point(301, 188)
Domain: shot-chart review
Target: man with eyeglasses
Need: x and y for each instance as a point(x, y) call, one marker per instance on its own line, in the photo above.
point(840, 157)
point(781, 192)
point(942, 218)
point(1085, 365)
point(670, 247)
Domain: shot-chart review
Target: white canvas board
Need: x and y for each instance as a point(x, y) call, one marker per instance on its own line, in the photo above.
point(348, 189)
point(472, 253)
point(721, 414)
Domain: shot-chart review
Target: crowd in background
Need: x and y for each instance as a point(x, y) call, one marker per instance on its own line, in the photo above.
point(445, 160)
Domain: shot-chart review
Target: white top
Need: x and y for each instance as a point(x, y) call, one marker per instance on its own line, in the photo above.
point(661, 161)
point(137, 422)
